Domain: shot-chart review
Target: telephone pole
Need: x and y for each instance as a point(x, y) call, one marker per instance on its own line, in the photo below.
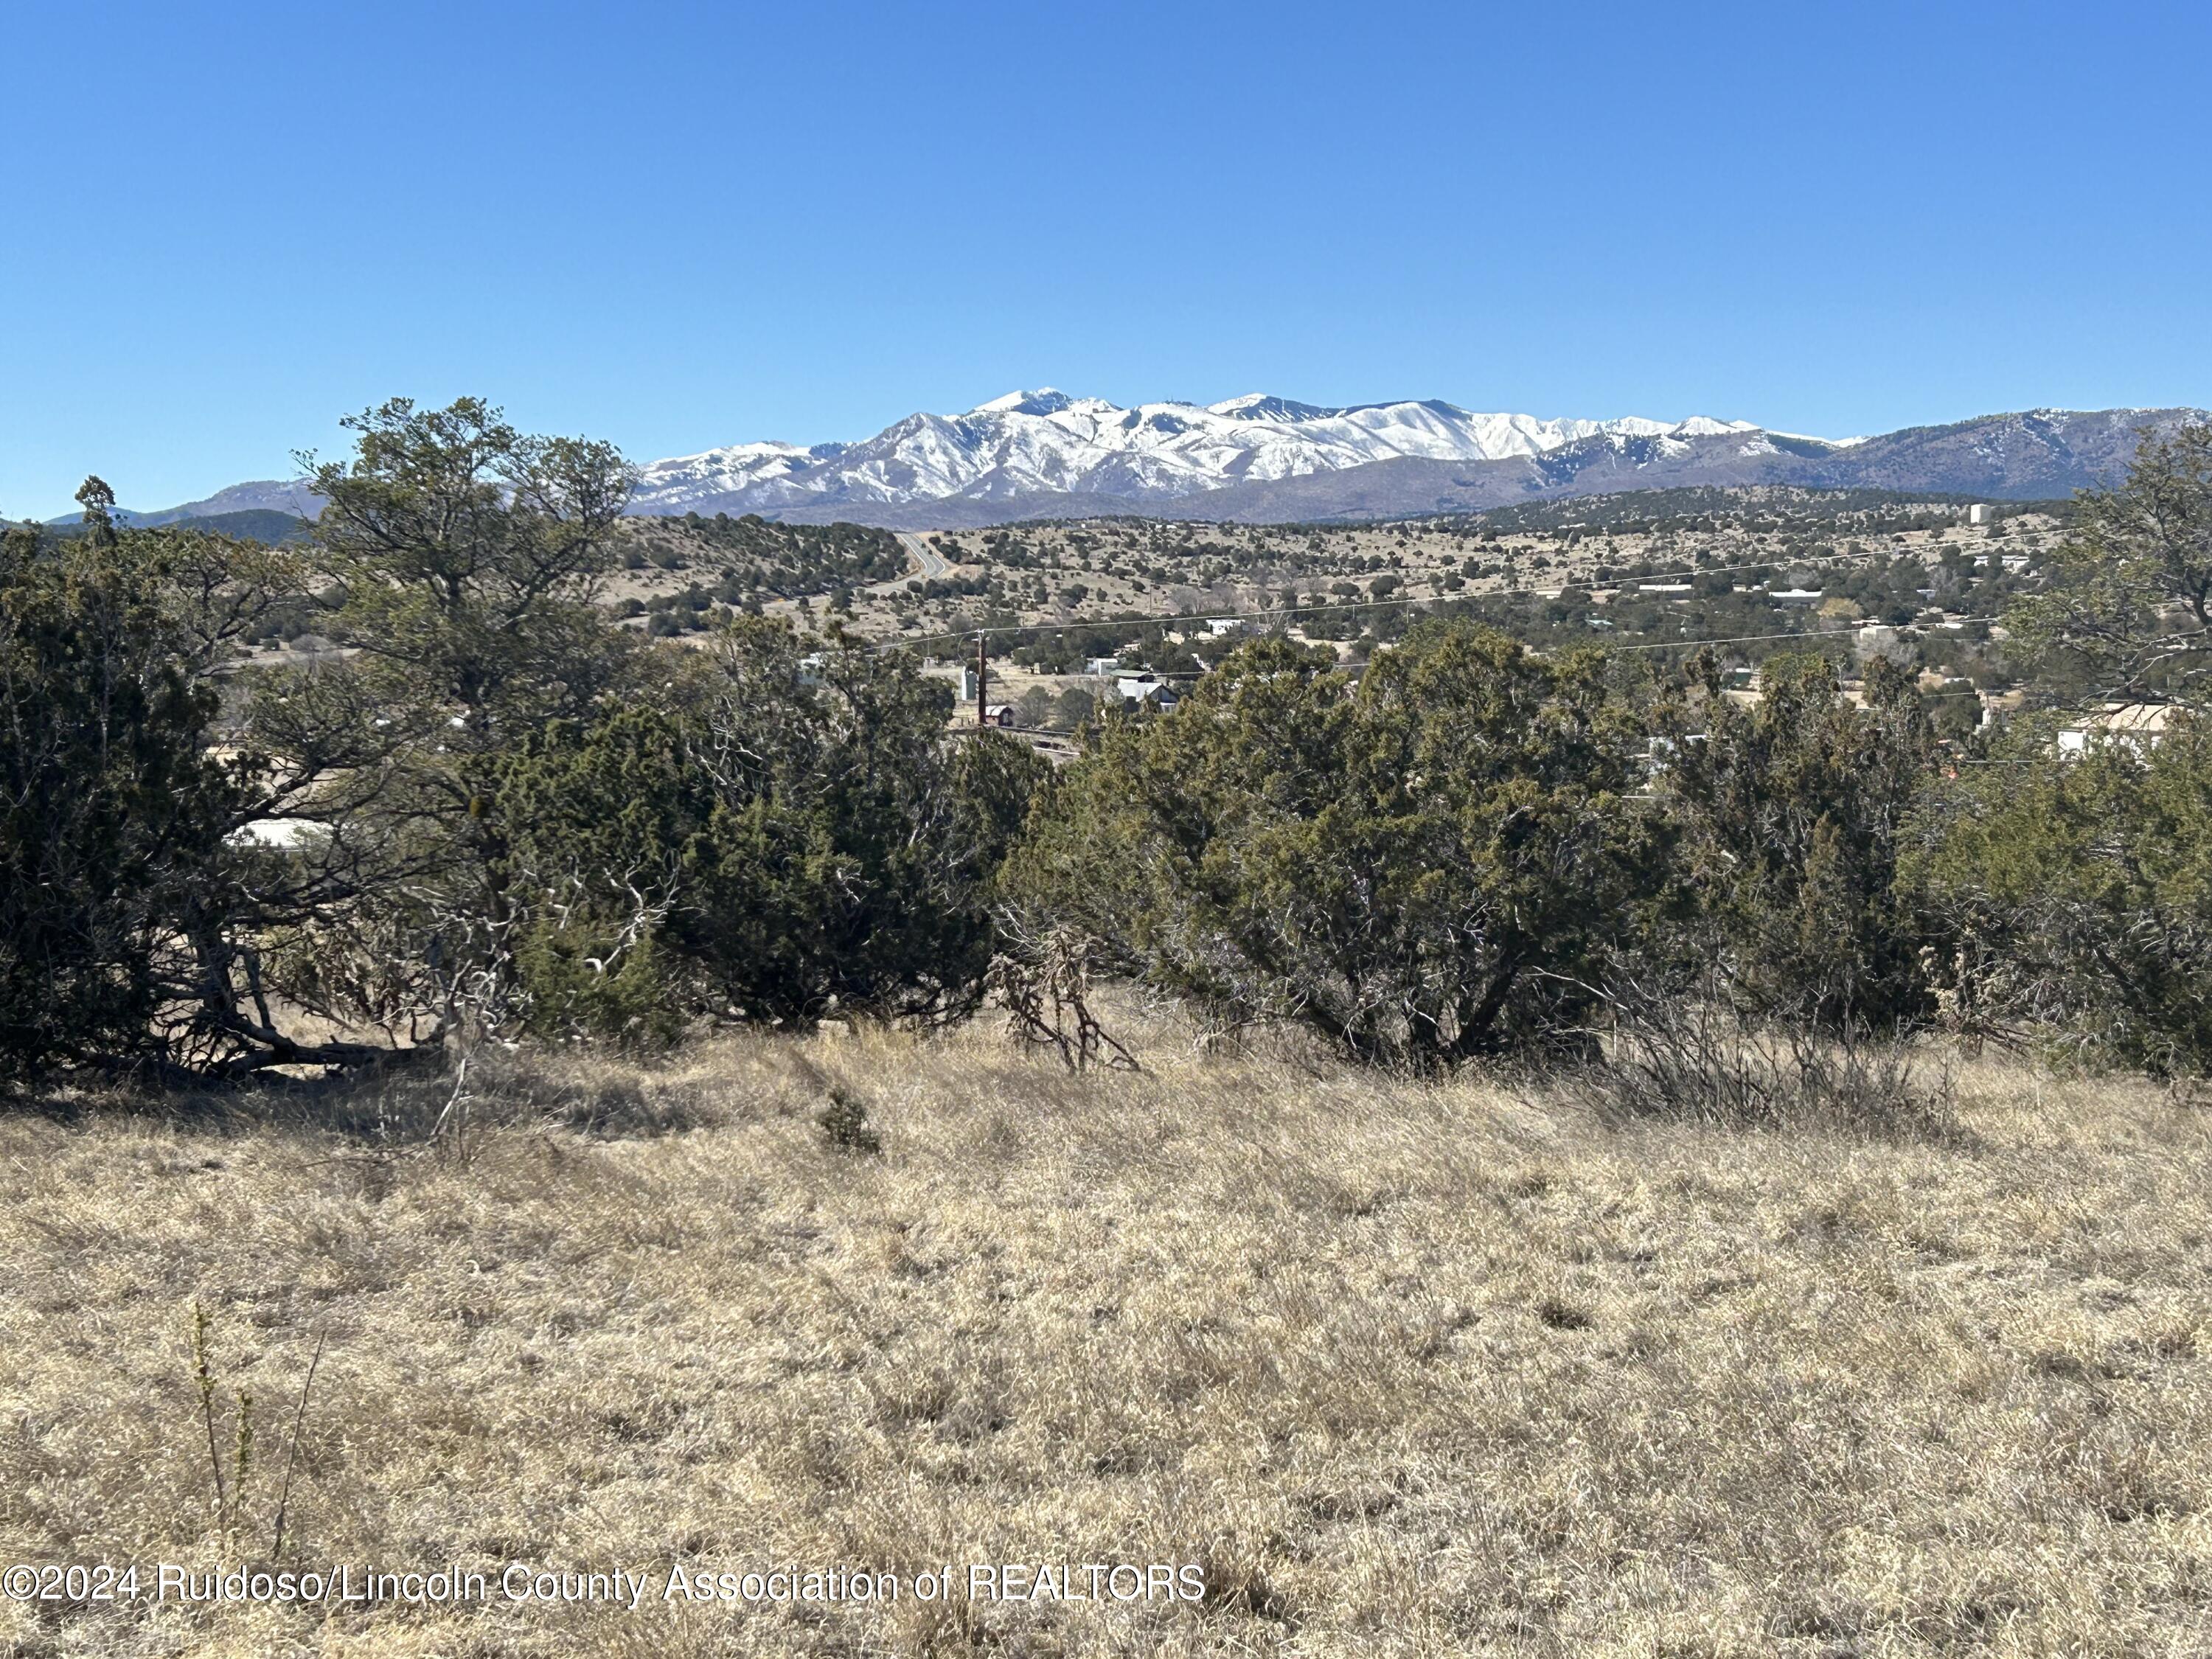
point(983, 672)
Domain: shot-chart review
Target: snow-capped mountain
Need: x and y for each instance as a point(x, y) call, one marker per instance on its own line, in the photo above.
point(1047, 443)
point(1266, 460)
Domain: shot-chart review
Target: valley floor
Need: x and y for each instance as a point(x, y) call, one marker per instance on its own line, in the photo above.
point(1405, 1369)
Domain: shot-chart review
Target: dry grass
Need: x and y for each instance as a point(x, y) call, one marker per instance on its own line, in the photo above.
point(1412, 1369)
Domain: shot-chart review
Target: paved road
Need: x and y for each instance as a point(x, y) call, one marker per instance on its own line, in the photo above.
point(932, 565)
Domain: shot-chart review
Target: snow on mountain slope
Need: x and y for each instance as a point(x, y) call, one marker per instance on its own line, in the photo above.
point(717, 471)
point(1045, 442)
point(1263, 459)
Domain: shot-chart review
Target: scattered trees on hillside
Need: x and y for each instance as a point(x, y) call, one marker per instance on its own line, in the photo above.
point(498, 811)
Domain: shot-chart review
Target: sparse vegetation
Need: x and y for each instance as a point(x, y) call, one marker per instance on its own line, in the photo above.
point(1410, 1369)
point(744, 566)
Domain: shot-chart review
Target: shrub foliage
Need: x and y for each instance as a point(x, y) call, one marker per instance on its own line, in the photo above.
point(2080, 895)
point(1794, 811)
point(1427, 866)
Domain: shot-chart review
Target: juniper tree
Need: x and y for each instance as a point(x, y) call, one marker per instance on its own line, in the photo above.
point(460, 560)
point(2127, 611)
point(1793, 814)
point(1430, 864)
point(777, 833)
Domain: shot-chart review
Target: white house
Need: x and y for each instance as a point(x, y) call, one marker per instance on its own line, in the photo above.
point(1148, 687)
point(1979, 513)
point(2140, 727)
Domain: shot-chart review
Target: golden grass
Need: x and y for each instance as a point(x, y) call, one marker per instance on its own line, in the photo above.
point(1410, 1369)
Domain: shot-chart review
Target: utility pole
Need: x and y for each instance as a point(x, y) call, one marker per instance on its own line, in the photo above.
point(982, 673)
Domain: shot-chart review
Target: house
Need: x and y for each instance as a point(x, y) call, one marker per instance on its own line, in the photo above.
point(1218, 626)
point(999, 713)
point(1797, 595)
point(2140, 727)
point(1981, 512)
point(285, 834)
point(1100, 667)
point(1659, 753)
point(1140, 689)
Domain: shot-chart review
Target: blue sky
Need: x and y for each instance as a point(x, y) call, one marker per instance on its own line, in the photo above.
point(681, 226)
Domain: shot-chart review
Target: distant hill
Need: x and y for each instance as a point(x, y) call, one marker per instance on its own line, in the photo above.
point(256, 524)
point(292, 499)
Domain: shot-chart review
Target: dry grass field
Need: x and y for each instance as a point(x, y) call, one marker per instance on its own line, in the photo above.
point(1408, 1369)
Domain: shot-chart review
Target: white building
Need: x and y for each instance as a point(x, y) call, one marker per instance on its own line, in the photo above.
point(2140, 727)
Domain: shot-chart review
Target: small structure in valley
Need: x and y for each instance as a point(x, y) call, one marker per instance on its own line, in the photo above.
point(2140, 727)
point(1137, 690)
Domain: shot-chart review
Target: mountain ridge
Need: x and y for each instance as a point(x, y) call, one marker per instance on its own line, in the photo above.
point(1029, 444)
point(1261, 457)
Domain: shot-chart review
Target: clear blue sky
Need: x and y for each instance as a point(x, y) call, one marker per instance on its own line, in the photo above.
point(680, 226)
